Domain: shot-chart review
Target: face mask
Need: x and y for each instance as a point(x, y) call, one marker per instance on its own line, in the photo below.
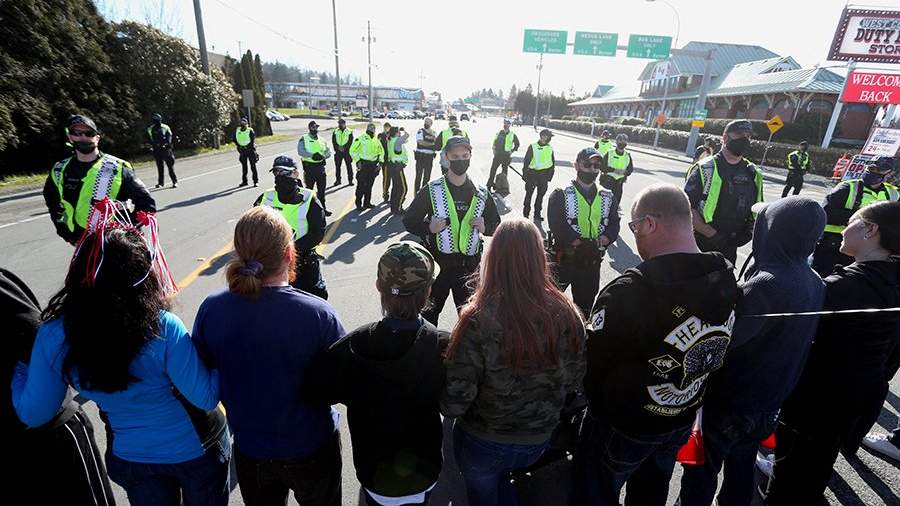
point(459, 167)
point(371, 133)
point(738, 147)
point(313, 132)
point(621, 146)
point(587, 177)
point(872, 178)
point(157, 121)
point(285, 184)
point(84, 147)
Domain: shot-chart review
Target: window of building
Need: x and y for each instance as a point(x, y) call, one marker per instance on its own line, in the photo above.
point(824, 106)
point(854, 107)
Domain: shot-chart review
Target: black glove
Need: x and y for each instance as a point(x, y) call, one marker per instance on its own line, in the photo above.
point(318, 157)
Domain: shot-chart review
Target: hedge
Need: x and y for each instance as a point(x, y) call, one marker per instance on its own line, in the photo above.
point(822, 160)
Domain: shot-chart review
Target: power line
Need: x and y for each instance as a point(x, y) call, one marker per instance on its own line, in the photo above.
point(274, 31)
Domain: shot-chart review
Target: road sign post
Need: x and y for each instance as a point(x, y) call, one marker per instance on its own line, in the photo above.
point(654, 47)
point(701, 97)
point(774, 125)
point(596, 43)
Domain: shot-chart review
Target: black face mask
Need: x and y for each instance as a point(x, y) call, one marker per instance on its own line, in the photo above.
point(371, 133)
point(285, 185)
point(459, 167)
point(738, 147)
point(872, 179)
point(587, 177)
point(621, 146)
point(314, 132)
point(84, 147)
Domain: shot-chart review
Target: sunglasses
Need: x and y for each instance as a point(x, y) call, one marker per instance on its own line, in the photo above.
point(83, 133)
point(633, 225)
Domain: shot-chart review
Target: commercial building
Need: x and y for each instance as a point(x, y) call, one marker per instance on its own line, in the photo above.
point(324, 96)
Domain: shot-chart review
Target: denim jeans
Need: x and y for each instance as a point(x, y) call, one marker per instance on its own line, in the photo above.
point(485, 467)
point(202, 481)
point(607, 457)
point(731, 440)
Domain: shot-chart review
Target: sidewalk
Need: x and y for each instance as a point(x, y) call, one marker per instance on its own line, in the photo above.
point(771, 174)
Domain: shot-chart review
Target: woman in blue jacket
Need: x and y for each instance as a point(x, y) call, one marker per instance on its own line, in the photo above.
point(109, 335)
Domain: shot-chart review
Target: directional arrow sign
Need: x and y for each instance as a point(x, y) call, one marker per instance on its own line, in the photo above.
point(596, 43)
point(545, 41)
point(775, 124)
point(655, 47)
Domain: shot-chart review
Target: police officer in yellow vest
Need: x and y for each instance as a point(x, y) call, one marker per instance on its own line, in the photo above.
point(313, 153)
point(160, 137)
point(722, 189)
point(397, 159)
point(506, 142)
point(604, 144)
point(584, 220)
point(245, 138)
point(451, 214)
point(797, 165)
point(342, 139)
point(452, 130)
point(367, 153)
point(537, 171)
point(302, 210)
point(844, 200)
point(78, 182)
point(617, 166)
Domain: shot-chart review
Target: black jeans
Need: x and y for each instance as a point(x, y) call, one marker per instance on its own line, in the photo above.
point(314, 177)
point(398, 184)
point(424, 163)
point(315, 480)
point(793, 180)
point(613, 185)
point(584, 280)
point(245, 156)
point(365, 179)
point(731, 440)
point(455, 272)
point(308, 275)
point(500, 159)
point(166, 156)
point(728, 250)
point(536, 179)
point(343, 156)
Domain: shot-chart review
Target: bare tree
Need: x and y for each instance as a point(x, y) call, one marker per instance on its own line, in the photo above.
point(163, 17)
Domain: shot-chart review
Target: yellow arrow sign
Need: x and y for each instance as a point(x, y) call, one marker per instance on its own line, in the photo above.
point(775, 124)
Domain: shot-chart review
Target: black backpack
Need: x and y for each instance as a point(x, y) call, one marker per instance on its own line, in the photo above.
point(501, 184)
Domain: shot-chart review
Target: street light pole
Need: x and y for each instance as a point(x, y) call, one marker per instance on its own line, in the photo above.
point(668, 65)
point(701, 101)
point(369, 40)
point(201, 38)
point(537, 98)
point(337, 65)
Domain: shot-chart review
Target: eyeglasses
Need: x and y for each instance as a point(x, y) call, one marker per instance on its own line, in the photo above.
point(633, 225)
point(83, 133)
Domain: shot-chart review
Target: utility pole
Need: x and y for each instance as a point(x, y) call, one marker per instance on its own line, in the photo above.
point(701, 100)
point(537, 99)
point(240, 50)
point(201, 38)
point(337, 66)
point(370, 40)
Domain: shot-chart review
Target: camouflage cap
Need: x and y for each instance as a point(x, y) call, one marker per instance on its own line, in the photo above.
point(406, 268)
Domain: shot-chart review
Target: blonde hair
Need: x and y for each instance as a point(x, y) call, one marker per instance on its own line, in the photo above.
point(261, 237)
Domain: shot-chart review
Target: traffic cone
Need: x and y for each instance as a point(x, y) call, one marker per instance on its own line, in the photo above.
point(692, 453)
point(769, 442)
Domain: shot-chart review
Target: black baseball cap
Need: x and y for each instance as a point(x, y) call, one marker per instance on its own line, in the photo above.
point(804, 143)
point(739, 126)
point(313, 124)
point(586, 154)
point(884, 163)
point(457, 140)
point(79, 119)
point(546, 132)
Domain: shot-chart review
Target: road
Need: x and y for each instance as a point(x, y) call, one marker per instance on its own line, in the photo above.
point(197, 220)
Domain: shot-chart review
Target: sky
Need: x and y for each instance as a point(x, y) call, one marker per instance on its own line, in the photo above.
point(460, 46)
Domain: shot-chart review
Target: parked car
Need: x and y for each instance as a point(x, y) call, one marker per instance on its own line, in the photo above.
point(379, 115)
point(334, 113)
point(418, 114)
point(276, 116)
point(394, 115)
point(440, 115)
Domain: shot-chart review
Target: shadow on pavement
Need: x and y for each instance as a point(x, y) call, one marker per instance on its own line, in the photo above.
point(840, 488)
point(364, 232)
point(210, 196)
point(217, 264)
point(621, 257)
point(874, 482)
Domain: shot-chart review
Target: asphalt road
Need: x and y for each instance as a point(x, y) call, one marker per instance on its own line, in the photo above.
point(196, 223)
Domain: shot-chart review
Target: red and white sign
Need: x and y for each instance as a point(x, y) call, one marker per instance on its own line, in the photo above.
point(857, 166)
point(872, 88)
point(882, 142)
point(867, 35)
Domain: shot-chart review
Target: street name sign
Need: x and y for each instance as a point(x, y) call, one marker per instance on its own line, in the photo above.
point(545, 41)
point(596, 43)
point(655, 47)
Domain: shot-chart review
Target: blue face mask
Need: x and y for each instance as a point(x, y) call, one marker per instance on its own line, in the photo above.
point(872, 178)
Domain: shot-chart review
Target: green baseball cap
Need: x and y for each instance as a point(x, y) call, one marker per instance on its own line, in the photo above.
point(406, 268)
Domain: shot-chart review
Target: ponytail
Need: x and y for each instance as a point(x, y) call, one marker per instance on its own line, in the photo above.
point(261, 238)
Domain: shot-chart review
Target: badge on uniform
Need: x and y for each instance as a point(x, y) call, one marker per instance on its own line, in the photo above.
point(598, 319)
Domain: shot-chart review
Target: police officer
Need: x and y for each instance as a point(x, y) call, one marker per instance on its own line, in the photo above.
point(537, 171)
point(708, 148)
point(451, 215)
point(584, 220)
point(396, 162)
point(313, 152)
point(425, 139)
point(367, 154)
point(506, 142)
point(844, 200)
point(384, 137)
point(342, 139)
point(306, 216)
point(797, 165)
point(452, 129)
point(78, 182)
point(245, 138)
point(160, 136)
point(617, 166)
point(604, 144)
point(722, 189)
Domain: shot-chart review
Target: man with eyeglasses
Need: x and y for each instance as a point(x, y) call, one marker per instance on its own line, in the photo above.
point(78, 182)
point(584, 220)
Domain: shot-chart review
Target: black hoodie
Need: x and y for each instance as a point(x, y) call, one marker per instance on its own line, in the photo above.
point(655, 335)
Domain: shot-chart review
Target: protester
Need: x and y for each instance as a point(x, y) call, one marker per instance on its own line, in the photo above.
point(655, 335)
point(514, 356)
point(766, 355)
point(847, 368)
point(390, 376)
point(110, 335)
point(261, 334)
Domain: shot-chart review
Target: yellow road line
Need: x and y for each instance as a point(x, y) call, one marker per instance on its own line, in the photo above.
point(320, 249)
point(190, 278)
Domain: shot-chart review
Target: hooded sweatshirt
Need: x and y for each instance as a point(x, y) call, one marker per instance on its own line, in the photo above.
point(655, 335)
point(767, 354)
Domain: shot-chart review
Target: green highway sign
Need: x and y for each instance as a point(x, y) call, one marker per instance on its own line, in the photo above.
point(596, 43)
point(545, 41)
point(700, 114)
point(655, 47)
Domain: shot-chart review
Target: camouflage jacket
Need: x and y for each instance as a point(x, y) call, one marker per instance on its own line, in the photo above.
point(496, 402)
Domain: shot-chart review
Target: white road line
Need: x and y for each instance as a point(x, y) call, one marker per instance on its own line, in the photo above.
point(24, 221)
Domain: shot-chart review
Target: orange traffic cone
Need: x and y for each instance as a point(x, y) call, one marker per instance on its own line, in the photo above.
point(769, 442)
point(692, 453)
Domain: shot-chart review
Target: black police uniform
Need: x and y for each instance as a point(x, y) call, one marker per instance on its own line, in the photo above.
point(501, 157)
point(161, 142)
point(342, 154)
point(539, 179)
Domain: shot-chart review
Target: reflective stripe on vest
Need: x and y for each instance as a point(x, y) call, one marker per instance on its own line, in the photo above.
point(313, 146)
point(342, 136)
point(588, 220)
point(618, 163)
point(802, 159)
point(295, 214)
point(242, 137)
point(103, 179)
point(508, 142)
point(712, 187)
point(460, 236)
point(541, 157)
point(393, 157)
point(603, 146)
point(868, 197)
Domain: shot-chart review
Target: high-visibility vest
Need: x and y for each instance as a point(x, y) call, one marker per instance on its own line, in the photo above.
point(393, 157)
point(313, 146)
point(541, 156)
point(712, 186)
point(802, 158)
point(508, 144)
point(164, 128)
point(618, 163)
point(295, 214)
point(342, 136)
point(242, 137)
point(460, 236)
point(367, 148)
point(448, 132)
point(857, 199)
point(588, 220)
point(103, 179)
point(604, 146)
